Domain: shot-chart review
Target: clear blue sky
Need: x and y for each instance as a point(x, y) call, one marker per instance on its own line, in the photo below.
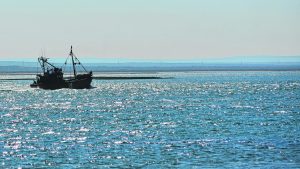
point(151, 30)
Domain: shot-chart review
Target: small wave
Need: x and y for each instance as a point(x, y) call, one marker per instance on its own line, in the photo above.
point(49, 133)
point(169, 124)
point(122, 142)
point(78, 139)
point(239, 106)
point(168, 100)
point(280, 112)
point(84, 129)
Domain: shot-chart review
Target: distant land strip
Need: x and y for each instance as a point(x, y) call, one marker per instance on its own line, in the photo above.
point(126, 77)
point(106, 78)
point(161, 67)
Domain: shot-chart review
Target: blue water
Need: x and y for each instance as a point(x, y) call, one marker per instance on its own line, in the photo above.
point(196, 119)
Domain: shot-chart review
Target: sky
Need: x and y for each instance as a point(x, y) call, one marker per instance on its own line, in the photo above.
point(151, 29)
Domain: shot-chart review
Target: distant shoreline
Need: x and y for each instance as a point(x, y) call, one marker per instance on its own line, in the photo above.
point(103, 78)
point(33, 68)
point(157, 71)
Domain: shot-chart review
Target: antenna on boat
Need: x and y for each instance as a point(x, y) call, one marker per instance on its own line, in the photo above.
point(72, 55)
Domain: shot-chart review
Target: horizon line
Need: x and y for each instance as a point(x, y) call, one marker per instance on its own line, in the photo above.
point(228, 59)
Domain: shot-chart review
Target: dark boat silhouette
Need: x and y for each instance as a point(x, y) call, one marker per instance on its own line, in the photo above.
point(52, 77)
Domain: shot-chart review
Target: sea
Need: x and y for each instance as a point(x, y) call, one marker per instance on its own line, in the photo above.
point(204, 119)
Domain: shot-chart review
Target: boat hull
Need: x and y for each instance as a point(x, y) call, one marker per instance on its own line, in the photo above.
point(50, 86)
point(84, 83)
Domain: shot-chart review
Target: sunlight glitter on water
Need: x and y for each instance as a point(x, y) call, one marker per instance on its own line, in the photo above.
point(204, 119)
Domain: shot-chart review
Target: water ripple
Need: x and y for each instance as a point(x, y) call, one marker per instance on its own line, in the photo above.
point(204, 119)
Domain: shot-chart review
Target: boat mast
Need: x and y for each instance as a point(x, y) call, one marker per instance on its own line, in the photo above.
point(74, 69)
point(43, 66)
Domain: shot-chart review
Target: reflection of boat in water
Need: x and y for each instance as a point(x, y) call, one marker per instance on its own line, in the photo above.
point(52, 77)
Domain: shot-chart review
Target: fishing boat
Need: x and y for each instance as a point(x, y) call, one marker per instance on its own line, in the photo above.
point(52, 77)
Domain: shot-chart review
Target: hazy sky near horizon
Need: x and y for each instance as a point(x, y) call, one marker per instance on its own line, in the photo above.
point(150, 29)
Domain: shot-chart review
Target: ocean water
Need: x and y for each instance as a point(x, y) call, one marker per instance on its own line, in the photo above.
point(194, 120)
